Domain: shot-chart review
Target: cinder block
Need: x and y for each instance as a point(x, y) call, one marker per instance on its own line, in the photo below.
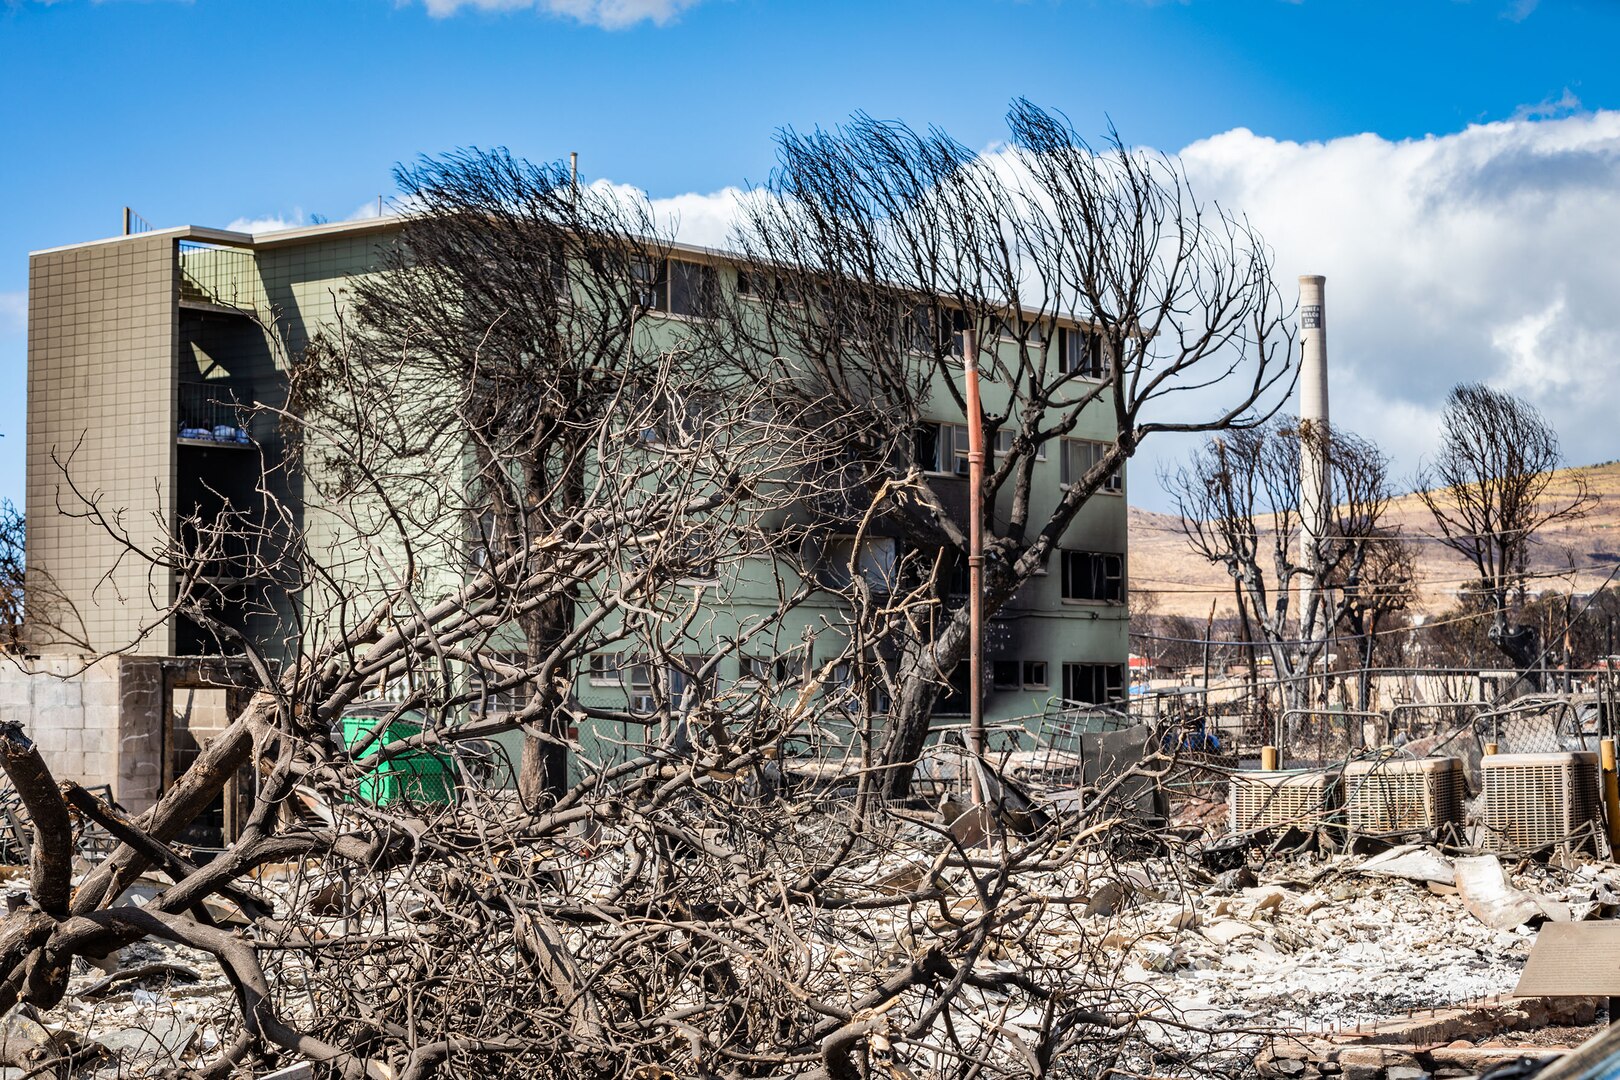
point(103, 719)
point(50, 738)
point(65, 764)
point(100, 687)
point(15, 686)
point(53, 693)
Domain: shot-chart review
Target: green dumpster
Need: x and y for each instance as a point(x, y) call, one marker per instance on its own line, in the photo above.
point(417, 776)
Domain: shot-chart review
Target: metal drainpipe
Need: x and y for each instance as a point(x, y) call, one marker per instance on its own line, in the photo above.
point(975, 426)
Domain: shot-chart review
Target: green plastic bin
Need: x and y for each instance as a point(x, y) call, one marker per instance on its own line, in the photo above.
point(416, 776)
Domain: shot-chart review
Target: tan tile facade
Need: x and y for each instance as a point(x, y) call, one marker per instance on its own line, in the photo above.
point(101, 406)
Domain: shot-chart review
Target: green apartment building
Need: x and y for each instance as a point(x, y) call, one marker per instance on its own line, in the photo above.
point(139, 345)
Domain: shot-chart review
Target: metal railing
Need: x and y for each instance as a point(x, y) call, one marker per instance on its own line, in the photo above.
point(215, 413)
point(219, 277)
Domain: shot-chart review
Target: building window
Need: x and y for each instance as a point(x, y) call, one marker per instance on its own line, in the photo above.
point(1081, 352)
point(757, 285)
point(758, 669)
point(675, 286)
point(1094, 575)
point(509, 700)
point(1004, 444)
point(1079, 455)
point(480, 540)
point(960, 581)
point(1030, 330)
point(942, 448)
point(693, 289)
point(604, 669)
point(1093, 684)
point(674, 682)
point(877, 562)
point(697, 566)
point(649, 283)
point(925, 447)
point(1018, 675)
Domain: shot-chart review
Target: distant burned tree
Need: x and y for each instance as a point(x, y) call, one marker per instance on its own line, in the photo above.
point(33, 610)
point(1384, 588)
point(1490, 490)
point(12, 575)
point(1103, 293)
point(1239, 499)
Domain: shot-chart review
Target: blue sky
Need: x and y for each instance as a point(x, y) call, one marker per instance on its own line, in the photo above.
point(215, 111)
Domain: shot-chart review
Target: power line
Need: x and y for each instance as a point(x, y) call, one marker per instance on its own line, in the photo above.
point(1193, 589)
point(1264, 642)
point(1384, 537)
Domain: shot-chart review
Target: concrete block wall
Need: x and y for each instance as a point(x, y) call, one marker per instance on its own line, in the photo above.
point(70, 711)
point(95, 721)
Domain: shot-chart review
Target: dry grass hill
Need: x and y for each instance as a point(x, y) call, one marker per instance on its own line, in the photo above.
point(1577, 555)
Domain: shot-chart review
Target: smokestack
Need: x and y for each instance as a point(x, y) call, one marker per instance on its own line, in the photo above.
point(1313, 426)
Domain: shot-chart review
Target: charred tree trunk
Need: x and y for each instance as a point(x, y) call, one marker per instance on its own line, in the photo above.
point(924, 667)
point(543, 770)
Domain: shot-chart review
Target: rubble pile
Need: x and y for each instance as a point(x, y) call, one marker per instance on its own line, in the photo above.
point(1185, 972)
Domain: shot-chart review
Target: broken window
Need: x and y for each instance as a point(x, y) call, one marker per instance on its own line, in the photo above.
point(1094, 575)
point(1093, 684)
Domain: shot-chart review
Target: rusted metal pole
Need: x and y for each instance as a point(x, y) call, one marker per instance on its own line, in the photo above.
point(1611, 795)
point(975, 427)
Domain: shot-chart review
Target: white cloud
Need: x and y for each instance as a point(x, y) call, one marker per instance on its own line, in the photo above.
point(13, 313)
point(608, 14)
point(268, 223)
point(1490, 254)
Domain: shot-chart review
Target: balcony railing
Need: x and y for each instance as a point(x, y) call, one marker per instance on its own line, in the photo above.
point(215, 413)
point(219, 277)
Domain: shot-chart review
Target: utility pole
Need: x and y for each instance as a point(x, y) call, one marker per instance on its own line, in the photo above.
point(975, 426)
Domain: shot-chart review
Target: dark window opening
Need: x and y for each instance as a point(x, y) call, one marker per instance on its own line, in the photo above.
point(1093, 575)
point(1081, 352)
point(1093, 684)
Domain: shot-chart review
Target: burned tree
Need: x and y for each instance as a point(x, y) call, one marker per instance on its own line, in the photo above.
point(508, 320)
point(1239, 501)
point(1105, 293)
point(1383, 588)
point(685, 905)
point(1490, 489)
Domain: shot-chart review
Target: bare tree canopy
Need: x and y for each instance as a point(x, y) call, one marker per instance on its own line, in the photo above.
point(542, 448)
point(1110, 292)
point(1239, 500)
point(1489, 489)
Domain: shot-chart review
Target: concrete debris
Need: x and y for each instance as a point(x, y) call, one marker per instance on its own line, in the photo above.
point(1493, 901)
point(301, 1071)
point(1415, 862)
point(1239, 966)
point(161, 1040)
point(23, 1040)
